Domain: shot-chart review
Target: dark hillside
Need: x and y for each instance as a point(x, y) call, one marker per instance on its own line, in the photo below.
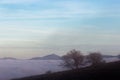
point(102, 72)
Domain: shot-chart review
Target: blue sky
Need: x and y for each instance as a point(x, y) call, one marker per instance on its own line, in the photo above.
point(38, 27)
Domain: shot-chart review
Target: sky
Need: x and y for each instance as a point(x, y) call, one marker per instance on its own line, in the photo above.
point(30, 28)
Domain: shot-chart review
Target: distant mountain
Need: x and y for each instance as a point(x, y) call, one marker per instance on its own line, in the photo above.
point(47, 57)
point(8, 58)
point(36, 58)
point(108, 56)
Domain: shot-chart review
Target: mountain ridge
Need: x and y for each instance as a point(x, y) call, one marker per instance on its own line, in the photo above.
point(47, 57)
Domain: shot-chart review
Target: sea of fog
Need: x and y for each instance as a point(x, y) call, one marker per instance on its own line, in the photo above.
point(10, 69)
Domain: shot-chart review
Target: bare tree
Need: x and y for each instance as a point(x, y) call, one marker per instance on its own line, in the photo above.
point(95, 58)
point(73, 59)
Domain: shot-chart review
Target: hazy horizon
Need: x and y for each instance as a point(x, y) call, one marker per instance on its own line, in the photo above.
point(30, 28)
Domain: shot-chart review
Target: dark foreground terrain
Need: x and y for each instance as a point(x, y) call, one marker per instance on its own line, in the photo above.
point(109, 71)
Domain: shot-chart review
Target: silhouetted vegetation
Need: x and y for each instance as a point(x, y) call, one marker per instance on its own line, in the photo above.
point(73, 59)
point(95, 58)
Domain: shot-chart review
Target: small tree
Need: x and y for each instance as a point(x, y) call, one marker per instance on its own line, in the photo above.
point(95, 58)
point(73, 59)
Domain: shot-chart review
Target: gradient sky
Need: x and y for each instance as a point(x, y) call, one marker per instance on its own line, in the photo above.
point(30, 28)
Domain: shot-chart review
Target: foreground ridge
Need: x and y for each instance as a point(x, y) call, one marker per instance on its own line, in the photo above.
point(101, 72)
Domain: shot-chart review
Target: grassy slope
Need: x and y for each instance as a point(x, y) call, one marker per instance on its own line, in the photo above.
point(103, 72)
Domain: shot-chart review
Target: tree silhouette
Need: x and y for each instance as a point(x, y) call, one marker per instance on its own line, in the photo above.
point(95, 58)
point(73, 59)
